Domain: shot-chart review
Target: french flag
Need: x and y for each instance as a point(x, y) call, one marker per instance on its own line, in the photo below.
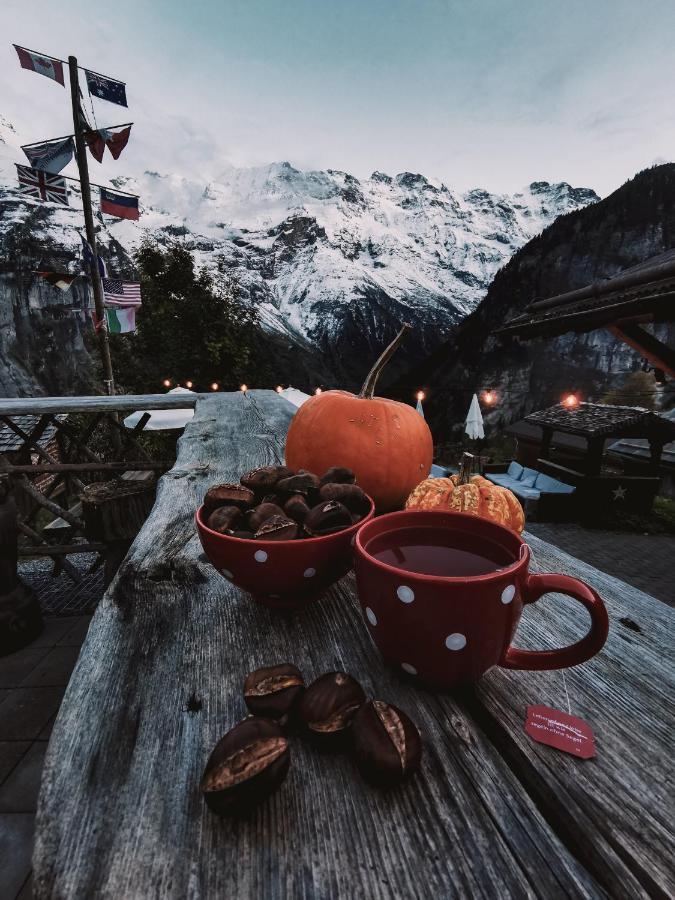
point(123, 206)
point(43, 65)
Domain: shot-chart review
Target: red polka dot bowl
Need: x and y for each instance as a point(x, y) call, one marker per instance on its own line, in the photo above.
point(281, 574)
point(446, 629)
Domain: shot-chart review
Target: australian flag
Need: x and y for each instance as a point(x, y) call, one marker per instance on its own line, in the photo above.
point(106, 88)
point(90, 257)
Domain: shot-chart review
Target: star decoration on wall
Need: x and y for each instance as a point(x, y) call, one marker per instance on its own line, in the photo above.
point(619, 493)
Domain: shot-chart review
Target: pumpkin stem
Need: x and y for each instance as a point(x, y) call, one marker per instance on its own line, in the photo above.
point(368, 389)
point(466, 468)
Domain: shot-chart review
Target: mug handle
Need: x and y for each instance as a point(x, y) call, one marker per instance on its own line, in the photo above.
point(535, 587)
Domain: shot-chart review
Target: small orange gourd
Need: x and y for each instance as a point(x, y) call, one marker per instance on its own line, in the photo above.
point(470, 494)
point(385, 443)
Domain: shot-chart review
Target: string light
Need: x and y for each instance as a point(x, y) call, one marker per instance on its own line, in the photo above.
point(421, 395)
point(243, 388)
point(489, 398)
point(167, 382)
point(570, 401)
point(214, 386)
point(318, 391)
point(279, 389)
point(189, 384)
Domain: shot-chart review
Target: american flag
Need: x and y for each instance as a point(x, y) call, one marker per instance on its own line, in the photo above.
point(42, 185)
point(121, 293)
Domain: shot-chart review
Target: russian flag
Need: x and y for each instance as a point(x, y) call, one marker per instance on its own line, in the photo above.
point(123, 206)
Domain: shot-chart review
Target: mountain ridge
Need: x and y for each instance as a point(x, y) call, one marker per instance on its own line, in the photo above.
point(331, 261)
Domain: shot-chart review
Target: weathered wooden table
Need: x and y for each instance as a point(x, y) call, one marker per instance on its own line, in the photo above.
point(492, 813)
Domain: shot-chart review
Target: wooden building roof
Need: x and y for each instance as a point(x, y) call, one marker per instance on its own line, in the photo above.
point(645, 292)
point(10, 441)
point(595, 420)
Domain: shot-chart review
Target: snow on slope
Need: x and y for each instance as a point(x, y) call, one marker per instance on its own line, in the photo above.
point(328, 257)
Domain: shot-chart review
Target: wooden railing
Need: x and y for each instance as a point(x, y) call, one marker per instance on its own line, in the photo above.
point(87, 442)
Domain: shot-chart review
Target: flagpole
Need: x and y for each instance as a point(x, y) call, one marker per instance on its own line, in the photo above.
point(81, 158)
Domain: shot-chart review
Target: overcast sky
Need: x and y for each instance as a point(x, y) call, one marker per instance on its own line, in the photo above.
point(489, 93)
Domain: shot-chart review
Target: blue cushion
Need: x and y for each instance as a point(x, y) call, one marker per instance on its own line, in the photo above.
point(502, 479)
point(525, 493)
point(528, 477)
point(438, 471)
point(552, 485)
point(515, 470)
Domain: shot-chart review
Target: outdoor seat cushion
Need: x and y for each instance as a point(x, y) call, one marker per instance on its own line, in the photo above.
point(552, 485)
point(515, 470)
point(528, 477)
point(503, 479)
point(525, 493)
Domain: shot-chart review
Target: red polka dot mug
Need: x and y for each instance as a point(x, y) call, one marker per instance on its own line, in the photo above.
point(442, 594)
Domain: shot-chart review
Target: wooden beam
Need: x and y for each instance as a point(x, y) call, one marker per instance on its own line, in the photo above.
point(65, 564)
point(61, 549)
point(659, 354)
point(42, 468)
point(24, 406)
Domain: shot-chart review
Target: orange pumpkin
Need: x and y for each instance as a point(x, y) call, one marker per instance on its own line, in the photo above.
point(470, 494)
point(387, 444)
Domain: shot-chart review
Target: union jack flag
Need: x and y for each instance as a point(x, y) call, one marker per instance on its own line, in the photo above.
point(121, 293)
point(42, 185)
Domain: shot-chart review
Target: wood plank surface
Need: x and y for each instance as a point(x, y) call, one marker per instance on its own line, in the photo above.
point(616, 811)
point(159, 680)
point(21, 406)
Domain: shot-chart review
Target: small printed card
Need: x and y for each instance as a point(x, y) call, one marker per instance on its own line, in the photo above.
point(560, 730)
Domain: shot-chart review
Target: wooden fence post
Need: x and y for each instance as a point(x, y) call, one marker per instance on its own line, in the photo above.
point(20, 616)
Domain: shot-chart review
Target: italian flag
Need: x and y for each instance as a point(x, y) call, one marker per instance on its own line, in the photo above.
point(121, 320)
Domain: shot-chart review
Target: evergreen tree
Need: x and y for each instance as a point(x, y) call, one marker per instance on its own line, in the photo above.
point(191, 326)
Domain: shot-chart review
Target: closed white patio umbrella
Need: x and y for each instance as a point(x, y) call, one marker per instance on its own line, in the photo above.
point(163, 419)
point(474, 420)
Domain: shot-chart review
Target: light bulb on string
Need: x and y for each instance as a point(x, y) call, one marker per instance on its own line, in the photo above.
point(167, 382)
point(279, 389)
point(189, 384)
point(421, 396)
point(243, 388)
point(318, 391)
point(214, 386)
point(489, 398)
point(570, 401)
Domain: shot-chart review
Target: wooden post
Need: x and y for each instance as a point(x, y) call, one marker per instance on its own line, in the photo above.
point(83, 168)
point(20, 616)
point(547, 434)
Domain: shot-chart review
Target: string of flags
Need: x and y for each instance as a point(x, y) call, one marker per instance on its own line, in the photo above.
point(42, 181)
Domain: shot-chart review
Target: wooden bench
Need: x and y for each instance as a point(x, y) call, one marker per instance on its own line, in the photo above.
point(492, 813)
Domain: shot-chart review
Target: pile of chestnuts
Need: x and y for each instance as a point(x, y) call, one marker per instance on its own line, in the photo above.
point(274, 503)
point(252, 760)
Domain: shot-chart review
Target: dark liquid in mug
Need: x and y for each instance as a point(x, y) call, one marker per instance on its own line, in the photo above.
point(448, 553)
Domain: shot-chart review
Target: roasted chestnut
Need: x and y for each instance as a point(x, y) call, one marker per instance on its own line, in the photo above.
point(326, 518)
point(273, 691)
point(298, 484)
point(387, 744)
point(265, 477)
point(296, 508)
point(223, 518)
point(327, 707)
point(227, 495)
point(277, 528)
point(246, 766)
point(350, 495)
point(259, 514)
point(338, 475)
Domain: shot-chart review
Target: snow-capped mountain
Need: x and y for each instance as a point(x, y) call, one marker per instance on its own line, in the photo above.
point(329, 259)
